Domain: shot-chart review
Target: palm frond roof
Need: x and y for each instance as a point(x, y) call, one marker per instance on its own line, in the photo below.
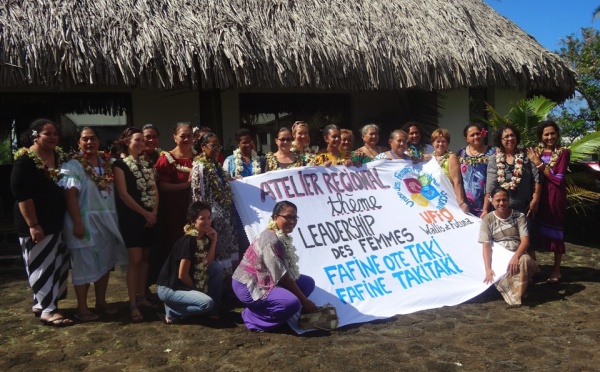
point(323, 44)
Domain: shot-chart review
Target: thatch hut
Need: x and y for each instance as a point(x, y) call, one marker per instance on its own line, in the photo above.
point(227, 63)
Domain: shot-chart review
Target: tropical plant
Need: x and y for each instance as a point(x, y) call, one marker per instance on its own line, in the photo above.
point(5, 151)
point(525, 115)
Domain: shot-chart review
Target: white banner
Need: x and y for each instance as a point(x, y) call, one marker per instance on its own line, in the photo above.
point(384, 239)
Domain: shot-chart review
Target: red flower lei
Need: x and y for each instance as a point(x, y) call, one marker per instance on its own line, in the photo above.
point(102, 180)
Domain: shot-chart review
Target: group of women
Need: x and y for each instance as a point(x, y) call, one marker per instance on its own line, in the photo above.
point(98, 213)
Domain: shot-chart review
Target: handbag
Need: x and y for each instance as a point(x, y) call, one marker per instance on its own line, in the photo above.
point(325, 318)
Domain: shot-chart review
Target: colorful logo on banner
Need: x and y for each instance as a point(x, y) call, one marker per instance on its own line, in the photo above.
point(416, 187)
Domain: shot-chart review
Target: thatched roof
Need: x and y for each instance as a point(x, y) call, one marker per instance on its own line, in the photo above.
point(325, 44)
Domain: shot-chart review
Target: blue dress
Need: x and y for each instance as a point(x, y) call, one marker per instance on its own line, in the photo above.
point(474, 172)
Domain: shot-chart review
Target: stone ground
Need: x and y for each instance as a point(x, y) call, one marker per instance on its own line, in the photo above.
point(557, 329)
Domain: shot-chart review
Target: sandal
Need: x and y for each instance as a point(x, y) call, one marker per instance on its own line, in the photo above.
point(86, 317)
point(61, 321)
point(136, 315)
point(553, 280)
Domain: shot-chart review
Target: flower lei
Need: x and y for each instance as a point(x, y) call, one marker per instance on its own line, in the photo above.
point(239, 163)
point(307, 151)
point(410, 151)
point(473, 160)
point(221, 191)
point(290, 250)
point(51, 173)
point(102, 180)
point(517, 172)
point(444, 157)
point(554, 157)
point(201, 264)
point(177, 166)
point(274, 163)
point(144, 178)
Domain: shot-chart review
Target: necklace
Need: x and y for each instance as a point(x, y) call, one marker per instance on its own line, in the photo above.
point(517, 172)
point(239, 163)
point(218, 187)
point(144, 178)
point(554, 157)
point(104, 179)
point(200, 254)
point(291, 257)
point(51, 173)
point(473, 154)
point(371, 152)
point(274, 163)
point(307, 151)
point(172, 161)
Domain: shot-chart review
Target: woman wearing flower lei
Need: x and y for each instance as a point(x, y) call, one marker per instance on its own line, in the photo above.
point(173, 169)
point(333, 155)
point(416, 146)
point(39, 217)
point(301, 143)
point(190, 281)
point(151, 139)
point(449, 163)
point(91, 228)
point(210, 184)
point(137, 206)
point(473, 166)
point(551, 159)
point(284, 157)
point(510, 169)
point(268, 281)
point(245, 161)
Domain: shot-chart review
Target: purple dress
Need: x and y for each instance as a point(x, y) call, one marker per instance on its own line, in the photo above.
point(255, 283)
point(553, 203)
point(474, 172)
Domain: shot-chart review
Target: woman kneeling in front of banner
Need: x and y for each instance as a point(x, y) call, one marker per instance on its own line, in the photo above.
point(190, 280)
point(268, 280)
point(507, 228)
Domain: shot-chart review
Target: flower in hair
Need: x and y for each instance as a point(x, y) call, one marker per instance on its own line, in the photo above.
point(34, 134)
point(484, 132)
point(195, 129)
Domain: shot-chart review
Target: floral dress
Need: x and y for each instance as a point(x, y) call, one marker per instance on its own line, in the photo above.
point(474, 173)
point(210, 185)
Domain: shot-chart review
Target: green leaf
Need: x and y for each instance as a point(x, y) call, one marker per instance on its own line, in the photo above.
point(583, 147)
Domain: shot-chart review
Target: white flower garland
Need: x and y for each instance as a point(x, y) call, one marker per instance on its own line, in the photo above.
point(517, 172)
point(177, 166)
point(290, 250)
point(144, 178)
point(239, 164)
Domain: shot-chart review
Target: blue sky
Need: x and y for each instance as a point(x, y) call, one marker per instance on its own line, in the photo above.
point(548, 20)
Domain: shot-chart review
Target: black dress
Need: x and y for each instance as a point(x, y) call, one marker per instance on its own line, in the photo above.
point(131, 223)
